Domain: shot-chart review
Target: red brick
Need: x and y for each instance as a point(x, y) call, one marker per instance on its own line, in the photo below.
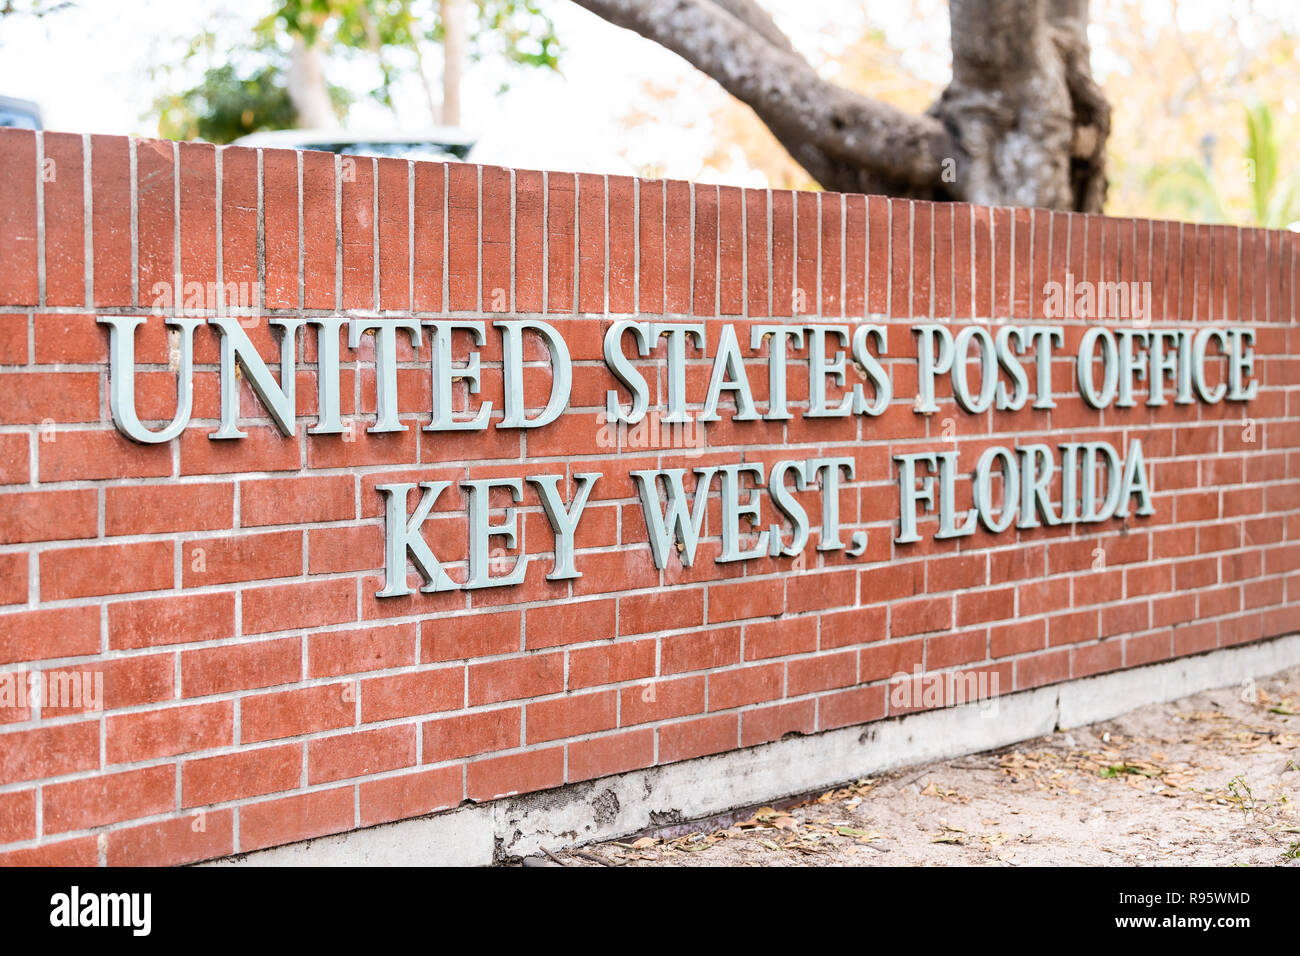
point(155, 209)
point(410, 795)
point(171, 620)
point(158, 509)
point(14, 586)
point(233, 558)
point(764, 724)
point(476, 635)
point(236, 776)
point(49, 751)
point(36, 397)
point(660, 610)
point(80, 851)
point(332, 653)
point(17, 816)
point(13, 339)
point(823, 672)
point(346, 548)
point(48, 515)
point(849, 707)
point(18, 238)
point(571, 716)
point(745, 685)
point(319, 261)
point(493, 777)
point(65, 222)
point(697, 650)
point(734, 601)
point(341, 756)
point(186, 839)
point(297, 500)
point(110, 168)
point(216, 670)
point(591, 243)
point(779, 638)
point(611, 754)
point(290, 713)
point(169, 731)
point(529, 676)
point(80, 455)
point(410, 694)
point(706, 250)
point(462, 237)
point(291, 819)
point(15, 459)
point(48, 633)
point(358, 231)
point(264, 449)
point(611, 664)
point(570, 623)
point(105, 569)
point(919, 616)
point(299, 605)
point(465, 735)
point(695, 738)
point(108, 798)
point(280, 227)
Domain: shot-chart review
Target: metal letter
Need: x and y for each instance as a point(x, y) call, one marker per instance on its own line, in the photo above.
point(445, 374)
point(385, 365)
point(728, 376)
point(623, 369)
point(564, 522)
point(512, 361)
point(481, 532)
point(733, 511)
point(237, 347)
point(778, 336)
point(677, 333)
point(328, 416)
point(121, 378)
point(403, 536)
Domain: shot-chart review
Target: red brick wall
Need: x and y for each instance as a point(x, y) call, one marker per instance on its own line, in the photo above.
point(256, 692)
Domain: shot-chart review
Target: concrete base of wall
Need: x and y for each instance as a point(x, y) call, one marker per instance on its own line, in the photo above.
point(695, 789)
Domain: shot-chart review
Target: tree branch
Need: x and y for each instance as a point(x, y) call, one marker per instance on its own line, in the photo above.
point(759, 20)
point(842, 138)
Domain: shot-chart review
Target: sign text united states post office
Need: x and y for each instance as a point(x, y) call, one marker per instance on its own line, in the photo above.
point(847, 375)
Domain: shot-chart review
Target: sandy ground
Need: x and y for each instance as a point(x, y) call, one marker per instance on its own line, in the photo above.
point(1212, 779)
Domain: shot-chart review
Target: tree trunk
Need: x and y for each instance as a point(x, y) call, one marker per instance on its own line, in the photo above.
point(454, 42)
point(1022, 122)
point(307, 90)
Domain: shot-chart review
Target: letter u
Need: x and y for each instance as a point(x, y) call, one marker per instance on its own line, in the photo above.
point(121, 378)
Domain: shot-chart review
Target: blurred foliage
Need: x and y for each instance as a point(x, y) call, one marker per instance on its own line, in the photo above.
point(1178, 77)
point(245, 94)
point(33, 8)
point(247, 90)
point(1273, 199)
point(228, 104)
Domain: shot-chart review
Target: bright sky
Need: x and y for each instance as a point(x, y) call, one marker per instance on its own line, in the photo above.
point(99, 66)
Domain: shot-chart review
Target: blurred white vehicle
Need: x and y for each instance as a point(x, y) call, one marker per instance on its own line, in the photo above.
point(441, 143)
